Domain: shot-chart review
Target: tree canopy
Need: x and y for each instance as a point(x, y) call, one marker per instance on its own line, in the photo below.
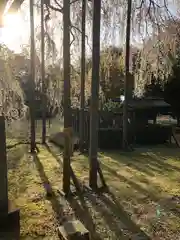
point(152, 22)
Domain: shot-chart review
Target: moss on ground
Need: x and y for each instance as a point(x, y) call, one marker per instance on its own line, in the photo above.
point(26, 189)
point(144, 193)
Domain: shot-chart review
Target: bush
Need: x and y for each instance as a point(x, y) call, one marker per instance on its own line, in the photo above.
point(112, 106)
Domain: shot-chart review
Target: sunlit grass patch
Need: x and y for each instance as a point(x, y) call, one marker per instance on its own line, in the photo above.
point(144, 183)
point(27, 192)
point(146, 178)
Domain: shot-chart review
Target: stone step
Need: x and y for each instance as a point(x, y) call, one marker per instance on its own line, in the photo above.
point(73, 230)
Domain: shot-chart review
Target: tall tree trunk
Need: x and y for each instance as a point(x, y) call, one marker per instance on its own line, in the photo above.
point(67, 100)
point(82, 95)
point(44, 104)
point(127, 76)
point(32, 78)
point(94, 102)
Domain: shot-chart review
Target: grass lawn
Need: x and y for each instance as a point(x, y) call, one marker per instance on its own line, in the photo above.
point(143, 199)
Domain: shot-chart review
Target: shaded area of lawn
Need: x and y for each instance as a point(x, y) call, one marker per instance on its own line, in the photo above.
point(142, 202)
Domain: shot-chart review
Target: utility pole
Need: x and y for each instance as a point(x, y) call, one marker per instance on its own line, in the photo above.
point(94, 102)
point(127, 75)
point(83, 66)
point(32, 78)
point(44, 106)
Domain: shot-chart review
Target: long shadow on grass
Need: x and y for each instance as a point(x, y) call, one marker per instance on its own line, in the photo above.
point(14, 155)
point(143, 163)
point(118, 210)
point(117, 220)
point(115, 217)
point(56, 205)
point(80, 210)
point(60, 161)
point(82, 213)
point(10, 146)
point(54, 153)
point(148, 163)
point(165, 203)
point(133, 184)
point(106, 210)
point(131, 160)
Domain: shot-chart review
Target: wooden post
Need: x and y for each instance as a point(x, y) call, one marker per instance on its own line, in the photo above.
point(43, 76)
point(83, 64)
point(3, 170)
point(32, 78)
point(94, 102)
point(67, 100)
point(127, 75)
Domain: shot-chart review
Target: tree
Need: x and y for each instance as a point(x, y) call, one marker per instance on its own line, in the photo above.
point(32, 76)
point(157, 54)
point(83, 74)
point(127, 76)
point(94, 101)
point(112, 72)
point(66, 97)
point(172, 87)
point(11, 95)
point(44, 103)
point(154, 89)
point(54, 84)
point(147, 16)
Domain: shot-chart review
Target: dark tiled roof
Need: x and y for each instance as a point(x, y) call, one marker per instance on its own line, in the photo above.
point(148, 103)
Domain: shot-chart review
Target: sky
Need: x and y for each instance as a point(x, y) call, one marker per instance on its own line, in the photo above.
point(17, 29)
point(16, 32)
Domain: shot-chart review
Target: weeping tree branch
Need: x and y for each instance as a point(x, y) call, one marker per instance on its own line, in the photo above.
point(73, 37)
point(59, 8)
point(157, 16)
point(147, 14)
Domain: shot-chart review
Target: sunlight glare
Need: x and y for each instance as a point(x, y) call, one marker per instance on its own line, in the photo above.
point(12, 20)
point(13, 30)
